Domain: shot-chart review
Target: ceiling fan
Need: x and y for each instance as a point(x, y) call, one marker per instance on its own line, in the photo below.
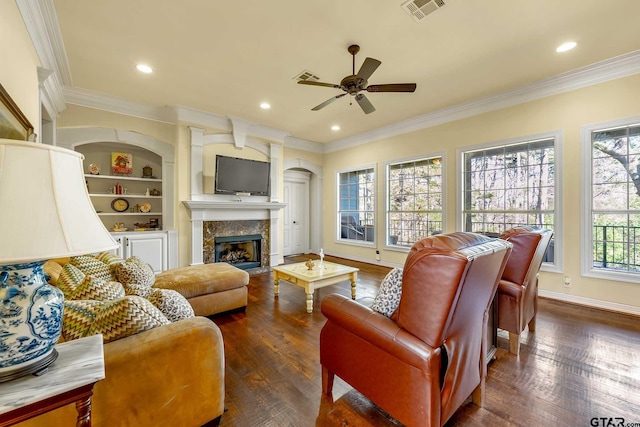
point(353, 84)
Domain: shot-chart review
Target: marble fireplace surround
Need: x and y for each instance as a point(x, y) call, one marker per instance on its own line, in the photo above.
point(202, 211)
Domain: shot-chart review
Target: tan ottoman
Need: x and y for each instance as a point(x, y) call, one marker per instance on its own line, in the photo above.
point(209, 288)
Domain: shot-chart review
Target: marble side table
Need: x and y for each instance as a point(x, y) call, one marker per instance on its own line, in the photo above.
point(80, 364)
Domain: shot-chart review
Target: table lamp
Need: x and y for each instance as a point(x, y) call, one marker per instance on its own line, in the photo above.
point(45, 212)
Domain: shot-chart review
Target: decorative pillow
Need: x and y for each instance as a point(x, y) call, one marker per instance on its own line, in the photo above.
point(77, 318)
point(114, 319)
point(69, 279)
point(99, 290)
point(137, 290)
point(388, 297)
point(111, 260)
point(126, 316)
point(91, 266)
point(171, 303)
point(134, 270)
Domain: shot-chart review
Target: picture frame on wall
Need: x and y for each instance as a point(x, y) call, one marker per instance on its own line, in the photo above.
point(13, 123)
point(121, 163)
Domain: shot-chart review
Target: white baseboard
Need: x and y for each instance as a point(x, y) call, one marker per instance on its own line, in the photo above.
point(590, 302)
point(574, 299)
point(365, 260)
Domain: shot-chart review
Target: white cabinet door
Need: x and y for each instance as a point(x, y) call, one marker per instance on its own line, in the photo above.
point(149, 247)
point(119, 252)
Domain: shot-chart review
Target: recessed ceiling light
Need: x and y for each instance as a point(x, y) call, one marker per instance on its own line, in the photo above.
point(265, 105)
point(335, 127)
point(144, 68)
point(566, 46)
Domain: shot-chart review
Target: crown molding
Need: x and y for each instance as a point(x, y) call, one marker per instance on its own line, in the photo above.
point(114, 104)
point(202, 118)
point(42, 25)
point(41, 22)
point(303, 145)
point(600, 72)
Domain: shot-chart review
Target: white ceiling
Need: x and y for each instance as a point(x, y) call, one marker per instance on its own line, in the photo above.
point(228, 56)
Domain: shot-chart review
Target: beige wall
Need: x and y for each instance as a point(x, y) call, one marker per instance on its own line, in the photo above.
point(19, 63)
point(566, 113)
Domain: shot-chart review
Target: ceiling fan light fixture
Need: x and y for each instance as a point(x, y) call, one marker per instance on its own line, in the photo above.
point(144, 68)
point(564, 47)
point(354, 83)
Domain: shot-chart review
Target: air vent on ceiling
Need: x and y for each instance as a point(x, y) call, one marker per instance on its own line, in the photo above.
point(306, 75)
point(419, 9)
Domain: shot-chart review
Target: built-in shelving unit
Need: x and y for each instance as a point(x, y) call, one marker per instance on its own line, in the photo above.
point(157, 246)
point(135, 187)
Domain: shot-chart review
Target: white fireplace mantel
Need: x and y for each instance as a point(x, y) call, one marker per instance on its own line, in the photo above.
point(206, 210)
point(211, 207)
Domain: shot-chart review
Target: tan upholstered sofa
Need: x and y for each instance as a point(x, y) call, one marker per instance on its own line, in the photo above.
point(172, 375)
point(209, 288)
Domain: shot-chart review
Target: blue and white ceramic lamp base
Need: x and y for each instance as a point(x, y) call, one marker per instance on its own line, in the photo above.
point(30, 317)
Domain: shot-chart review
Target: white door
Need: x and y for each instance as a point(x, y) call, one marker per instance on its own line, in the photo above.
point(296, 213)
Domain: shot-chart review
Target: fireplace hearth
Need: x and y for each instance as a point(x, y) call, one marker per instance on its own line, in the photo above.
point(243, 252)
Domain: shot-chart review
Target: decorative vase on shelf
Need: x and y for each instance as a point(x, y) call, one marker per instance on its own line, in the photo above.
point(31, 318)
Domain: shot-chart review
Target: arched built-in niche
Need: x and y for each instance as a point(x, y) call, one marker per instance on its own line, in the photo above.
point(74, 137)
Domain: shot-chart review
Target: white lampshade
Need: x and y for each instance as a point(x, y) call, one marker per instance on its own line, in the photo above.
point(45, 210)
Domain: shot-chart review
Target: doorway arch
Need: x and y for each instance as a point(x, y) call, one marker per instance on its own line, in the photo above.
point(316, 183)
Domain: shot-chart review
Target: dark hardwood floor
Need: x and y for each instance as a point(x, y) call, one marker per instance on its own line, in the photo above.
point(580, 364)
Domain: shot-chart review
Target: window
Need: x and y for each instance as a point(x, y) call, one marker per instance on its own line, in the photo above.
point(509, 184)
point(613, 193)
point(414, 200)
point(356, 206)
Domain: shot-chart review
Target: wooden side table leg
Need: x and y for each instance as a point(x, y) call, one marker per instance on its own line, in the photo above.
point(309, 302)
point(276, 285)
point(83, 407)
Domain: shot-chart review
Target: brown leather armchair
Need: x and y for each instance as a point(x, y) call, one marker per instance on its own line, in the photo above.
point(421, 364)
point(518, 288)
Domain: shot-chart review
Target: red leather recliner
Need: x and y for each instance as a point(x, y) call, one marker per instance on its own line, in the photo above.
point(421, 364)
point(518, 288)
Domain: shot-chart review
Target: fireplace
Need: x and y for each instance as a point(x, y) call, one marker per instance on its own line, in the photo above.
point(240, 251)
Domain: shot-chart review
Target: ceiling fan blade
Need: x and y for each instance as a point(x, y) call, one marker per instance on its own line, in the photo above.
point(327, 102)
point(368, 67)
point(395, 87)
point(313, 83)
point(364, 103)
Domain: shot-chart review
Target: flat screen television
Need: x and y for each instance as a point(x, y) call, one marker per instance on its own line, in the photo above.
point(242, 176)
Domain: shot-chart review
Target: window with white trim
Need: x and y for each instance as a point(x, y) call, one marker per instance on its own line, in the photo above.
point(613, 193)
point(356, 206)
point(507, 185)
point(415, 200)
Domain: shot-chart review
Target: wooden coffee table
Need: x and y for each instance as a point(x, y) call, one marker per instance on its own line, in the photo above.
point(298, 274)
